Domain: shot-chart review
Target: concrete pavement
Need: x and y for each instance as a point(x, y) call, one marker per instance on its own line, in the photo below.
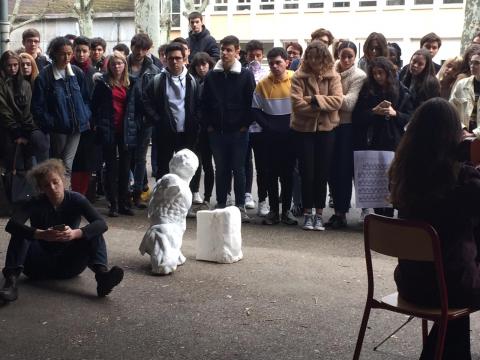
point(295, 295)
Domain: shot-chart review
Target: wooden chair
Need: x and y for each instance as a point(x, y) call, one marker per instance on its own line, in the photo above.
point(407, 240)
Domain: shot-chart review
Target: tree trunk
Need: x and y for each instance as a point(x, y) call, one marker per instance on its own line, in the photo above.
point(471, 22)
point(165, 22)
point(84, 11)
point(147, 19)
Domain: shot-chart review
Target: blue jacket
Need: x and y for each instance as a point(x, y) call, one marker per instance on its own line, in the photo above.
point(61, 106)
point(102, 116)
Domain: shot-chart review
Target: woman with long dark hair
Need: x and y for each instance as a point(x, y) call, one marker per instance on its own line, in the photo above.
point(316, 98)
point(382, 112)
point(429, 183)
point(374, 46)
point(18, 129)
point(113, 117)
point(420, 78)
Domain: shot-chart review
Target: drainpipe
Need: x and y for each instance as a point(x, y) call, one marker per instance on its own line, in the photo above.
point(4, 26)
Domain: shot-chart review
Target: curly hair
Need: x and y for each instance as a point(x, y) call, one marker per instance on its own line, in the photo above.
point(317, 52)
point(425, 166)
point(198, 59)
point(39, 172)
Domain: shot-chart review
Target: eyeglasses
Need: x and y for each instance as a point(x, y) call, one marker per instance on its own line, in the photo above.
point(175, 58)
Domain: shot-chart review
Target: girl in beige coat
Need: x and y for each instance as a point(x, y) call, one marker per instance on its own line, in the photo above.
point(316, 98)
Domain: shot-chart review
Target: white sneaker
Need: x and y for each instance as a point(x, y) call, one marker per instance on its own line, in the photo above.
point(318, 223)
point(244, 215)
point(364, 213)
point(249, 203)
point(230, 201)
point(263, 208)
point(197, 199)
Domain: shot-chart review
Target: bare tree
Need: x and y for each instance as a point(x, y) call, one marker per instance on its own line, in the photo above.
point(84, 12)
point(165, 21)
point(471, 22)
point(190, 6)
point(147, 19)
point(14, 21)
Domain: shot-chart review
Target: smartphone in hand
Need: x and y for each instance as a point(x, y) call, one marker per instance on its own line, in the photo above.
point(385, 104)
point(60, 227)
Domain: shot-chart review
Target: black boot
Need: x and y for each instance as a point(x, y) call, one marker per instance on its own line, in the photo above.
point(107, 280)
point(9, 291)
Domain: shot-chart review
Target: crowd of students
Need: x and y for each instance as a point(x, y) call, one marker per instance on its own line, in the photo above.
point(301, 120)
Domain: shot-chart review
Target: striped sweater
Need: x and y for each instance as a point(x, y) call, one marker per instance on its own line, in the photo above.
point(271, 103)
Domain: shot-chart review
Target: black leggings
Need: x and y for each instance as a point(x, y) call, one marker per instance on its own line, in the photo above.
point(315, 152)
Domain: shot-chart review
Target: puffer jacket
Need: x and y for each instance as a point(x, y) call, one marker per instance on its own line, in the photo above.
point(327, 90)
point(463, 98)
point(103, 111)
point(61, 106)
point(202, 41)
point(15, 116)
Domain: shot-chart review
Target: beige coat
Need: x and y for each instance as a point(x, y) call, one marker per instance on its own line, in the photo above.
point(327, 89)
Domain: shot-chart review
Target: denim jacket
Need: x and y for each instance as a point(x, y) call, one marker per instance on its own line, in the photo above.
point(62, 105)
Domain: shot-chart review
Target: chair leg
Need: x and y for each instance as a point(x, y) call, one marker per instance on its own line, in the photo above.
point(442, 332)
point(363, 328)
point(424, 331)
point(393, 333)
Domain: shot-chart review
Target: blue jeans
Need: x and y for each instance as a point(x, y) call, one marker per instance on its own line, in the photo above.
point(40, 259)
point(229, 152)
point(143, 139)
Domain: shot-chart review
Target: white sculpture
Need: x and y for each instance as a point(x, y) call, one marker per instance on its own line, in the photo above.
point(167, 210)
point(219, 235)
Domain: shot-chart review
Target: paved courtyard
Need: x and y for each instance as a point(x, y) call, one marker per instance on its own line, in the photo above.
point(295, 295)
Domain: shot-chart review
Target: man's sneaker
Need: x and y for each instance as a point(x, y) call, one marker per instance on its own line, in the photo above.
point(9, 291)
point(197, 199)
point(307, 222)
point(230, 201)
point(288, 218)
point(364, 213)
point(318, 223)
point(244, 215)
point(191, 214)
point(204, 206)
point(106, 281)
point(263, 208)
point(249, 203)
point(271, 219)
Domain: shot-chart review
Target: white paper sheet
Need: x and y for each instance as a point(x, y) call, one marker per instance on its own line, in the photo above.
point(371, 178)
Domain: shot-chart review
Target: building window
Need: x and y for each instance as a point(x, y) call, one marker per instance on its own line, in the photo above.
point(341, 4)
point(367, 3)
point(267, 4)
point(453, 1)
point(220, 5)
point(197, 4)
point(423, 2)
point(395, 2)
point(315, 5)
point(290, 4)
point(243, 5)
point(175, 15)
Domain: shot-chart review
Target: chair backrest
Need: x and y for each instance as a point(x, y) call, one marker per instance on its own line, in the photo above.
point(403, 239)
point(475, 152)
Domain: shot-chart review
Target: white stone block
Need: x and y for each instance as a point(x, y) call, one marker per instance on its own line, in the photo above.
point(219, 235)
